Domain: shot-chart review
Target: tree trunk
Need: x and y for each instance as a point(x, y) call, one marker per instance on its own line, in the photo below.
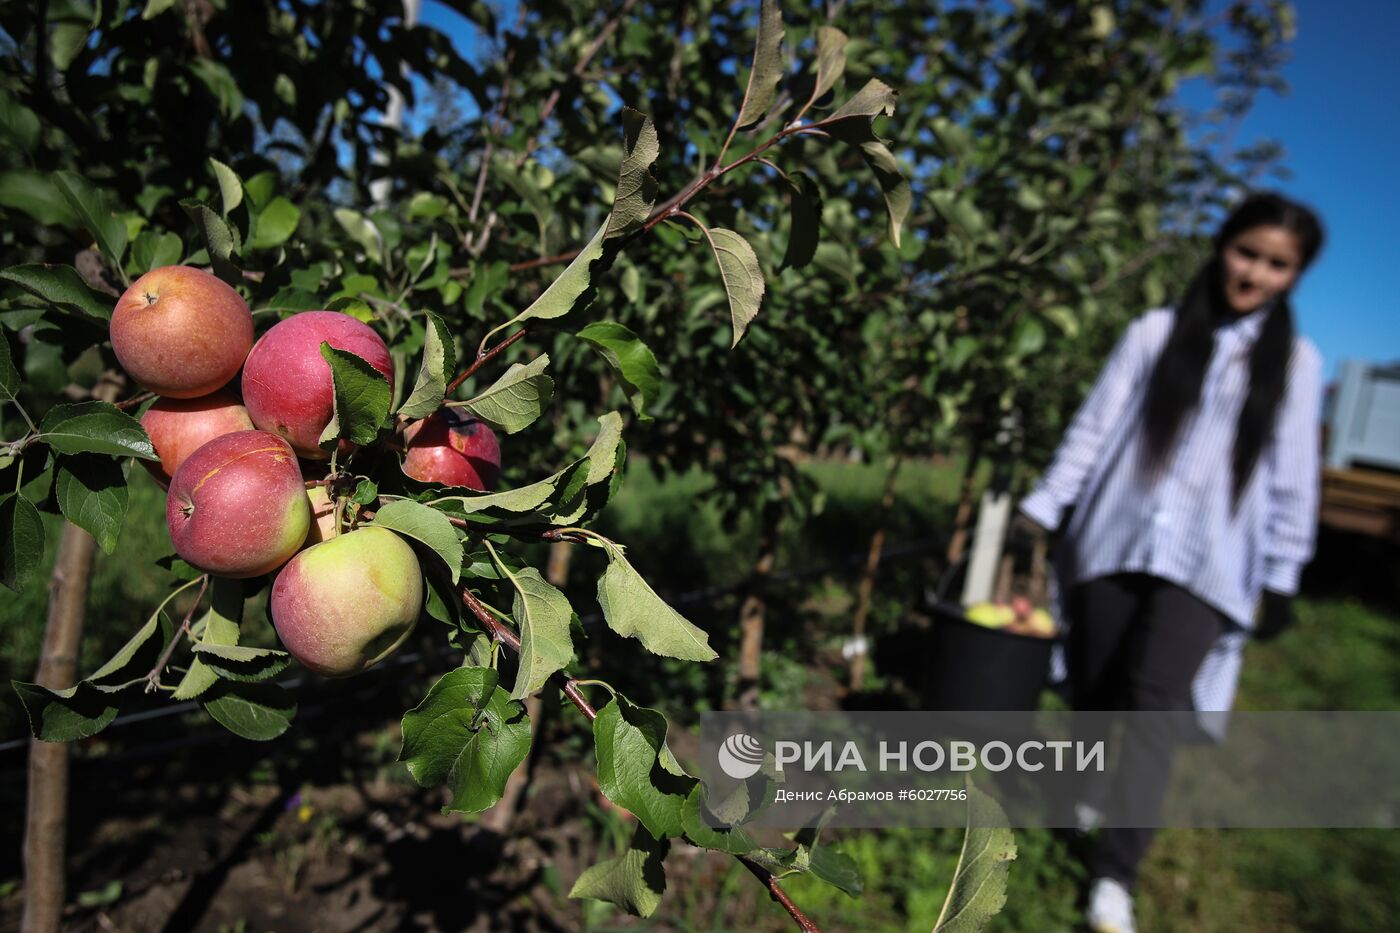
point(499, 817)
point(962, 519)
point(755, 607)
point(556, 571)
point(46, 816)
point(866, 589)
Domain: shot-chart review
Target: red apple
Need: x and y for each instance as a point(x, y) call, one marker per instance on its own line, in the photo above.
point(454, 449)
point(237, 506)
point(347, 603)
point(180, 426)
point(180, 332)
point(1022, 607)
point(287, 383)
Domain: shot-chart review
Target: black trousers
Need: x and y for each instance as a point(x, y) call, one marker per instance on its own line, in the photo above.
point(1135, 643)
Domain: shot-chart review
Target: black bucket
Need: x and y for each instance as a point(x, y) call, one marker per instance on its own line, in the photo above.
point(975, 668)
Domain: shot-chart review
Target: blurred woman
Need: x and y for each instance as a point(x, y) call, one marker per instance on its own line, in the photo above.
point(1192, 472)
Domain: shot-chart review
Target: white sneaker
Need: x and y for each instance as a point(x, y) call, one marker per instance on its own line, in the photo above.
point(1110, 907)
point(1087, 818)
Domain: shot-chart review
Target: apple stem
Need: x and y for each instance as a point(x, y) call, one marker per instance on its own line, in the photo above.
point(503, 634)
point(483, 356)
point(135, 400)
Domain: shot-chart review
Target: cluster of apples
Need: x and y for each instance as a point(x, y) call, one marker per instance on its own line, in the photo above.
point(1018, 616)
point(235, 465)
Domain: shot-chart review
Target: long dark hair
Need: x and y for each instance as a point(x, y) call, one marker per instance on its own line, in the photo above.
point(1175, 388)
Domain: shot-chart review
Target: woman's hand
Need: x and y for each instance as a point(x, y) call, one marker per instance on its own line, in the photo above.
point(1275, 615)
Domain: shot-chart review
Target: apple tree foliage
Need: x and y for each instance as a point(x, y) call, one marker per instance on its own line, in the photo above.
point(1057, 185)
point(250, 141)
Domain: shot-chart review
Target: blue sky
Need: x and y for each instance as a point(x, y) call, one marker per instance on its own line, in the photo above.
point(1339, 128)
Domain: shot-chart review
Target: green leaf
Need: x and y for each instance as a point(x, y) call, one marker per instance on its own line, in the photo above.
point(362, 398)
point(221, 84)
point(1064, 318)
point(741, 275)
point(831, 59)
point(218, 626)
point(66, 41)
point(97, 428)
point(572, 289)
point(35, 193)
point(634, 881)
point(956, 141)
point(636, 769)
point(363, 231)
point(515, 400)
point(767, 68)
point(426, 206)
point(978, 890)
point(732, 840)
point(427, 525)
point(218, 237)
point(156, 7)
point(960, 213)
point(630, 360)
point(853, 124)
point(152, 250)
point(1028, 338)
point(275, 224)
point(804, 232)
point(9, 376)
point(18, 124)
point(21, 541)
point(875, 99)
point(133, 659)
point(633, 610)
point(259, 712)
point(805, 856)
point(837, 869)
point(469, 734)
point(230, 185)
point(260, 187)
point(89, 706)
point(543, 615)
point(636, 189)
point(241, 662)
point(62, 287)
point(96, 213)
point(439, 362)
point(66, 715)
point(91, 493)
point(522, 184)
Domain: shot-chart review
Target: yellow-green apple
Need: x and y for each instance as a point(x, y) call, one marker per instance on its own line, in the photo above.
point(287, 383)
point(1041, 623)
point(322, 515)
point(237, 506)
point(347, 603)
point(991, 615)
point(454, 449)
point(180, 426)
point(181, 332)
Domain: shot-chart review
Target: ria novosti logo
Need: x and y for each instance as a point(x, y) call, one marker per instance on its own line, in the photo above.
point(740, 756)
